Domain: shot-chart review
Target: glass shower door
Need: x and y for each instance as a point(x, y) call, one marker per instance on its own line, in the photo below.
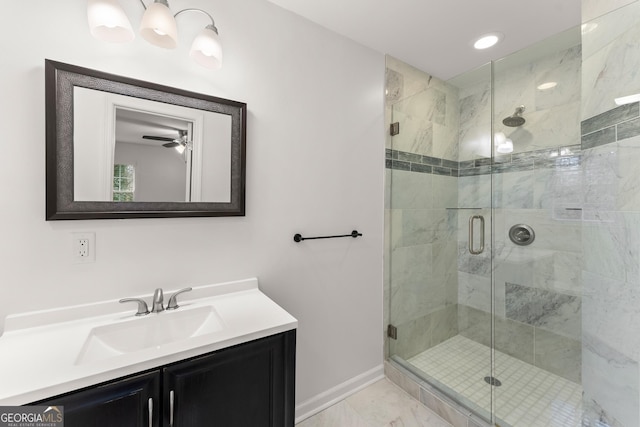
point(438, 225)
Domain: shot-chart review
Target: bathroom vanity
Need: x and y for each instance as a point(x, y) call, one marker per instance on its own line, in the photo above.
point(225, 357)
point(246, 385)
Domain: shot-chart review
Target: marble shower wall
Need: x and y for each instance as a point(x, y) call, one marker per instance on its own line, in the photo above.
point(538, 288)
point(611, 215)
point(592, 9)
point(420, 261)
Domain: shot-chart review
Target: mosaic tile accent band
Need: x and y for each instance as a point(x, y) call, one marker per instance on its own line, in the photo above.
point(570, 155)
point(614, 125)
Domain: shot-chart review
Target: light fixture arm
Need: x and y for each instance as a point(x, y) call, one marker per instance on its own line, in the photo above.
point(166, 3)
point(213, 23)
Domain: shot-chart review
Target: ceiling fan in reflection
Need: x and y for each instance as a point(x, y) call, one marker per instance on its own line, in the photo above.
point(179, 143)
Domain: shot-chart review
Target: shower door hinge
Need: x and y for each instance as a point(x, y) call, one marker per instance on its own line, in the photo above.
point(394, 129)
point(392, 332)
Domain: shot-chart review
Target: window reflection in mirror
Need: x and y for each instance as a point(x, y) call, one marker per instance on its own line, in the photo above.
point(124, 183)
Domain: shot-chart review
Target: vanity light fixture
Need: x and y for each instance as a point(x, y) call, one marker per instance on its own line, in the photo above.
point(488, 40)
point(108, 22)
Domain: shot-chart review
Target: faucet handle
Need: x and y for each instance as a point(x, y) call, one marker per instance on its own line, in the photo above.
point(142, 305)
point(173, 301)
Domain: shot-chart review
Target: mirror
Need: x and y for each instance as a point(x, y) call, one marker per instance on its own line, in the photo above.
point(124, 148)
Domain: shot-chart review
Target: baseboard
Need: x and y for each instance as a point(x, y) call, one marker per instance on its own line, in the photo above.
point(332, 396)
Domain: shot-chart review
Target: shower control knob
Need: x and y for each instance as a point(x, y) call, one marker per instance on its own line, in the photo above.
point(522, 234)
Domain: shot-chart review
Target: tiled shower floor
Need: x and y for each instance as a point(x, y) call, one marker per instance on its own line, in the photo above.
point(528, 397)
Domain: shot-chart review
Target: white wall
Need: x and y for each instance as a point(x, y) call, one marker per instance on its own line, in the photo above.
point(315, 166)
point(160, 172)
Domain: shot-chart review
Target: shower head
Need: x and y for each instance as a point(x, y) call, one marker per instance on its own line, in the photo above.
point(516, 119)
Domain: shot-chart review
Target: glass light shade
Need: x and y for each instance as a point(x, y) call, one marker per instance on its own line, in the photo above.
point(159, 27)
point(206, 49)
point(499, 138)
point(506, 147)
point(108, 22)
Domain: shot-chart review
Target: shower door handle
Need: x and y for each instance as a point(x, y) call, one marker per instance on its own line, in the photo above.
point(480, 249)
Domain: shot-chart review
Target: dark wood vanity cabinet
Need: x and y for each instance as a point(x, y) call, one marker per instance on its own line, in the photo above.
point(248, 385)
point(120, 403)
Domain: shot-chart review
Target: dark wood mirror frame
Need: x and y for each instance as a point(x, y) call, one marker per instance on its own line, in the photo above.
point(60, 80)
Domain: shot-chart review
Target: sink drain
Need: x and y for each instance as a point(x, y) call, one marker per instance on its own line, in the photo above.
point(493, 381)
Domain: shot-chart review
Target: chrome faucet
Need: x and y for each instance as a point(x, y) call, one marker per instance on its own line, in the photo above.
point(158, 300)
point(142, 305)
point(173, 300)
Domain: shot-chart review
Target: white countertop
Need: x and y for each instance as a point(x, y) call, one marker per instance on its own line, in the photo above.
point(39, 351)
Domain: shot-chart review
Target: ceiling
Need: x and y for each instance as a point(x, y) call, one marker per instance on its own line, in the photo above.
point(132, 125)
point(436, 36)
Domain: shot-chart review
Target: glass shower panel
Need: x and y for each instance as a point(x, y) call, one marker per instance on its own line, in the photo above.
point(539, 328)
point(438, 229)
point(537, 211)
point(611, 217)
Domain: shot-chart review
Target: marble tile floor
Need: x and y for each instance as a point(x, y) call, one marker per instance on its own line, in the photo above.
point(528, 396)
point(381, 404)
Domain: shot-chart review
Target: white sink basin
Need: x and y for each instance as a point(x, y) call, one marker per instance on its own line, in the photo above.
point(100, 341)
point(152, 330)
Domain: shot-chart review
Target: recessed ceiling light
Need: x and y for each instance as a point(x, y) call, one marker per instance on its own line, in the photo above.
point(547, 85)
point(487, 40)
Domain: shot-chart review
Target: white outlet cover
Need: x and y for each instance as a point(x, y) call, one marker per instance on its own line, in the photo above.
point(91, 250)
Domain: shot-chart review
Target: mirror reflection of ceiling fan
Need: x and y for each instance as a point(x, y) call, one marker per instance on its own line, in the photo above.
point(181, 141)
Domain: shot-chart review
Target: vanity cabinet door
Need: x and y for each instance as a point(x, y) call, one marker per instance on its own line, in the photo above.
point(123, 403)
point(249, 385)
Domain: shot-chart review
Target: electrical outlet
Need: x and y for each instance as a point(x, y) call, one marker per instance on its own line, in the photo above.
point(82, 251)
point(84, 247)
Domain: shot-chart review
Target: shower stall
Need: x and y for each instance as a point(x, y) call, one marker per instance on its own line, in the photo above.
point(512, 230)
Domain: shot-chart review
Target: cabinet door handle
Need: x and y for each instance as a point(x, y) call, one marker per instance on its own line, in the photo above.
point(471, 245)
point(150, 412)
point(171, 408)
